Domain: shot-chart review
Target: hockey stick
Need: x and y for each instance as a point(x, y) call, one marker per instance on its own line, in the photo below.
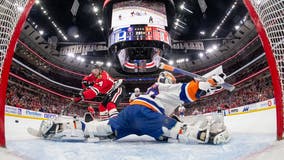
point(64, 111)
point(116, 85)
point(173, 69)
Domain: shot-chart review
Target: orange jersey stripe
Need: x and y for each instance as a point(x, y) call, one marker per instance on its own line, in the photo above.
point(191, 90)
point(143, 103)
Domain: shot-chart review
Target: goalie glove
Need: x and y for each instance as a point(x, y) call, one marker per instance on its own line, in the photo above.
point(213, 84)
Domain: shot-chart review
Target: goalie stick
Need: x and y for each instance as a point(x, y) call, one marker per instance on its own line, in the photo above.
point(173, 69)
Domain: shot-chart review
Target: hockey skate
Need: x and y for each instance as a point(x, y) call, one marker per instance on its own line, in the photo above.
point(219, 138)
point(219, 133)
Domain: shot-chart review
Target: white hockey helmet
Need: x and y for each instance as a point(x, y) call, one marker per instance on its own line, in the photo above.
point(166, 77)
point(137, 90)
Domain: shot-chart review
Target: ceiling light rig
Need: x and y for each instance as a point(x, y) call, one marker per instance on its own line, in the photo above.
point(211, 49)
point(182, 7)
point(44, 11)
point(224, 19)
point(179, 23)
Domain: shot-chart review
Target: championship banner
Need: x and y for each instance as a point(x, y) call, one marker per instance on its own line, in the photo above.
point(83, 49)
point(194, 45)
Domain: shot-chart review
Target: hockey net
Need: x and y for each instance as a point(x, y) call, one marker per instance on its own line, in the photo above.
point(13, 14)
point(268, 17)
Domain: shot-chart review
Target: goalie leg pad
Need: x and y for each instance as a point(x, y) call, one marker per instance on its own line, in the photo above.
point(186, 132)
point(96, 129)
point(220, 138)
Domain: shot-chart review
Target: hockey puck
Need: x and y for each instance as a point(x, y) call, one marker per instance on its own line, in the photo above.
point(16, 121)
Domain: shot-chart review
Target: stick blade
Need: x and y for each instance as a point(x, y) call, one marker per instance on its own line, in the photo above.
point(228, 86)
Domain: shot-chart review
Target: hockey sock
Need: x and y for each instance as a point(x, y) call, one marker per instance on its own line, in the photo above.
point(103, 112)
point(112, 111)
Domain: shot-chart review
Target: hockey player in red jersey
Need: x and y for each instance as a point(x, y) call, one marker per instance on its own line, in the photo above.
point(100, 82)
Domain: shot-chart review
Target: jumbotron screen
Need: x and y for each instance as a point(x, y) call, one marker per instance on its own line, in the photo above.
point(131, 12)
point(137, 33)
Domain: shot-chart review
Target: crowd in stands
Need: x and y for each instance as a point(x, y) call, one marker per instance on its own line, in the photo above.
point(256, 89)
point(22, 96)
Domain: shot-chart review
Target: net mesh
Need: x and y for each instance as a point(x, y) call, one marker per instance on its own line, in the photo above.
point(271, 15)
point(10, 12)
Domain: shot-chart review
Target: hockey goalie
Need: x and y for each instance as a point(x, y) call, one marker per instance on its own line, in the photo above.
point(150, 115)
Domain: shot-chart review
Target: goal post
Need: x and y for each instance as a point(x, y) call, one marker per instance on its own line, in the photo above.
point(13, 14)
point(268, 17)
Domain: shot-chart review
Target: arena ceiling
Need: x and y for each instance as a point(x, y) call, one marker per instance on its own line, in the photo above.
point(87, 21)
point(221, 17)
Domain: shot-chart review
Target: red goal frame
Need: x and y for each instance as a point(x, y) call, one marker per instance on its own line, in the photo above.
point(6, 67)
point(278, 93)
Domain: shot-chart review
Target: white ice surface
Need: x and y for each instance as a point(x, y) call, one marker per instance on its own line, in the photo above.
point(253, 137)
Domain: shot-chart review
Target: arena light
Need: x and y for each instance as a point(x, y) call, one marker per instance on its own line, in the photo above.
point(224, 19)
point(41, 32)
point(171, 62)
point(100, 21)
point(37, 2)
point(214, 47)
point(179, 21)
point(71, 55)
point(95, 9)
point(44, 11)
point(209, 50)
point(92, 62)
point(202, 33)
point(99, 62)
point(78, 58)
point(182, 7)
point(108, 64)
point(200, 54)
point(237, 27)
point(76, 36)
point(82, 59)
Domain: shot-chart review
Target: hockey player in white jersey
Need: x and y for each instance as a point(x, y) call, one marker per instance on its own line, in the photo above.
point(148, 115)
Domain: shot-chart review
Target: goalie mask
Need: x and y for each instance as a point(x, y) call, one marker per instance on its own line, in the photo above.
point(166, 77)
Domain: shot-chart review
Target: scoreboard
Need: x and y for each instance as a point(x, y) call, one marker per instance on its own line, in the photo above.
point(137, 33)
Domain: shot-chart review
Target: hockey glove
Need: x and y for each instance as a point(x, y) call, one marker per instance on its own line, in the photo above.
point(79, 98)
point(153, 91)
point(87, 83)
